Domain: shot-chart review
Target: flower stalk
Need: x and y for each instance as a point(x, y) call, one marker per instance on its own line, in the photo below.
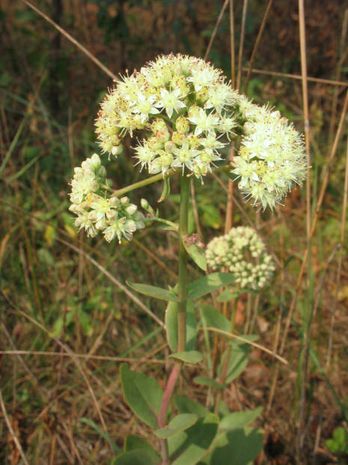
point(142, 183)
point(182, 293)
point(182, 280)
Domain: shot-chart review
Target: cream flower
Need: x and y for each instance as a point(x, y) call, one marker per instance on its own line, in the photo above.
point(174, 104)
point(145, 105)
point(183, 115)
point(242, 253)
point(271, 158)
point(204, 122)
point(171, 101)
point(95, 210)
point(202, 77)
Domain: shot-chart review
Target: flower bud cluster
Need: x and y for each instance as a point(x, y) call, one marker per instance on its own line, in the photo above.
point(271, 158)
point(182, 109)
point(241, 252)
point(95, 211)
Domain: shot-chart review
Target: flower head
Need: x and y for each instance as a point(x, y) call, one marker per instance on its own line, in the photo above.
point(241, 252)
point(95, 211)
point(175, 104)
point(271, 158)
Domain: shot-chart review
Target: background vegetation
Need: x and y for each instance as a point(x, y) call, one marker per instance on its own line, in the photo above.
point(66, 318)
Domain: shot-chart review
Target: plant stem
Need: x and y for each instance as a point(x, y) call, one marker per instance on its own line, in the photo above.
point(162, 417)
point(182, 293)
point(169, 389)
point(182, 280)
point(156, 178)
point(227, 356)
point(142, 183)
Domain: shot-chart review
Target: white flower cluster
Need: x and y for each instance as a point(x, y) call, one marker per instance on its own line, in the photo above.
point(182, 109)
point(114, 217)
point(241, 252)
point(182, 114)
point(271, 157)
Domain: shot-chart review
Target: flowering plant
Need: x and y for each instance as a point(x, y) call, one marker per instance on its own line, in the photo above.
point(180, 116)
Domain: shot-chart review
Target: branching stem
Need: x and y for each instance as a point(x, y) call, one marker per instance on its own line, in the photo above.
point(158, 177)
point(142, 183)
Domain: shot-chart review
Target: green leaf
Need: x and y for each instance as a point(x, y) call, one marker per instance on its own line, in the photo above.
point(238, 447)
point(205, 381)
point(165, 190)
point(192, 356)
point(136, 442)
point(190, 446)
point(338, 444)
point(171, 324)
point(178, 424)
point(227, 295)
point(211, 215)
point(137, 457)
point(238, 360)
point(197, 254)
point(222, 409)
point(154, 291)
point(143, 395)
point(186, 405)
point(238, 420)
point(208, 284)
point(213, 318)
point(191, 326)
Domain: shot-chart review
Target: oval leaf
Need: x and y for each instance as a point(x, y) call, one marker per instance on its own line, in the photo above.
point(171, 324)
point(137, 457)
point(197, 254)
point(227, 295)
point(186, 405)
point(143, 395)
point(154, 291)
point(136, 442)
point(237, 420)
point(238, 360)
point(240, 446)
point(178, 424)
point(192, 356)
point(208, 284)
point(190, 446)
point(213, 318)
point(205, 381)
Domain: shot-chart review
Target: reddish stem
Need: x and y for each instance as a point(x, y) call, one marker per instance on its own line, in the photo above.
point(162, 417)
point(168, 392)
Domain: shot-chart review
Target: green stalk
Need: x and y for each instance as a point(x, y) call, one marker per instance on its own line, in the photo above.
point(156, 178)
point(182, 279)
point(142, 183)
